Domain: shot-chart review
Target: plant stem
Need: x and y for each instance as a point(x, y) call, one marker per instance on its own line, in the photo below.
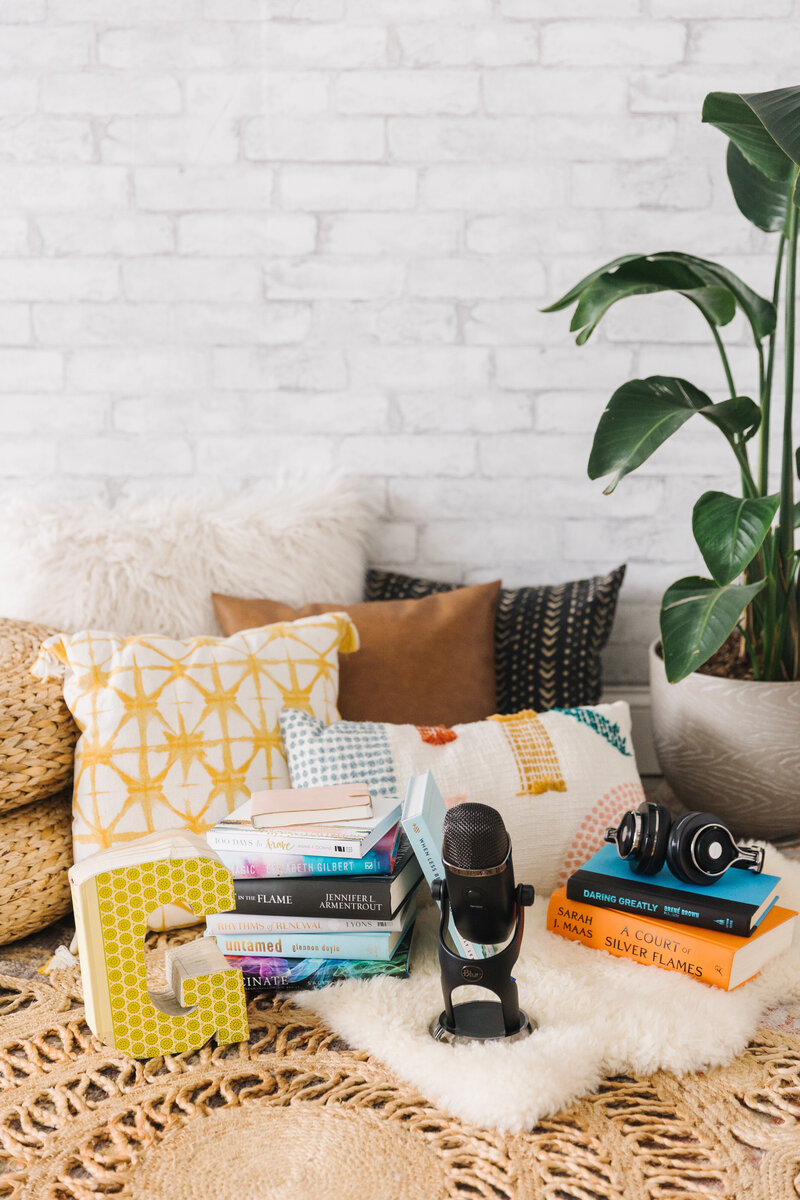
point(726, 366)
point(787, 458)
point(766, 390)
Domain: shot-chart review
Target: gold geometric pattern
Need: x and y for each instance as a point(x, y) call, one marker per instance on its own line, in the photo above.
point(536, 759)
point(177, 733)
point(126, 897)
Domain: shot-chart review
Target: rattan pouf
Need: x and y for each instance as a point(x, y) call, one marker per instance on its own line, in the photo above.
point(35, 855)
point(37, 732)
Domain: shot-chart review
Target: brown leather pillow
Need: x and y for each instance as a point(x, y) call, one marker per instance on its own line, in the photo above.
point(421, 662)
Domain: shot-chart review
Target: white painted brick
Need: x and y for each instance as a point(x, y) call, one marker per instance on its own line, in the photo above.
point(126, 12)
point(684, 90)
point(535, 91)
point(19, 94)
point(168, 47)
point(476, 188)
point(174, 189)
point(656, 185)
point(475, 139)
point(351, 322)
point(327, 189)
point(527, 454)
point(46, 279)
point(270, 324)
point(406, 367)
point(505, 322)
point(185, 324)
point(120, 234)
point(13, 11)
point(27, 47)
point(394, 542)
point(407, 92)
point(260, 456)
point(223, 95)
point(527, 368)
point(106, 94)
point(464, 541)
point(575, 495)
point(456, 45)
point(306, 368)
point(665, 541)
point(31, 370)
point(474, 278)
point(337, 46)
point(174, 412)
point(393, 234)
point(331, 413)
point(421, 413)
point(407, 455)
point(348, 139)
point(246, 233)
point(593, 43)
point(179, 279)
point(13, 235)
point(29, 414)
point(569, 412)
point(117, 369)
point(261, 10)
point(15, 324)
point(52, 188)
point(31, 459)
point(124, 456)
point(190, 140)
point(479, 499)
point(540, 9)
point(698, 9)
point(743, 42)
point(394, 11)
point(45, 139)
point(334, 278)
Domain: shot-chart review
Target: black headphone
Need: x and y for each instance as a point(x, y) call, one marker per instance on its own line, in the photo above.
point(697, 847)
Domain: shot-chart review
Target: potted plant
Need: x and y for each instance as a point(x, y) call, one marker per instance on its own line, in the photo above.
point(725, 678)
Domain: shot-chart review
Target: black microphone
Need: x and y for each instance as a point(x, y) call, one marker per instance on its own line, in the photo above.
point(476, 852)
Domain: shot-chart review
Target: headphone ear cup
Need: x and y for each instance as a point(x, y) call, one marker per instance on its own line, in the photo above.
point(656, 822)
point(679, 844)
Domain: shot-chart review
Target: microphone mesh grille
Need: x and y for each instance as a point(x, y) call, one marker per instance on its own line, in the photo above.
point(474, 838)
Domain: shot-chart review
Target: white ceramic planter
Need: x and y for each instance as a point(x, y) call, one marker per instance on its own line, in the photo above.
point(730, 747)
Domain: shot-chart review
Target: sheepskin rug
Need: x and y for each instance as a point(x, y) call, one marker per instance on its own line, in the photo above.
point(151, 566)
point(597, 1016)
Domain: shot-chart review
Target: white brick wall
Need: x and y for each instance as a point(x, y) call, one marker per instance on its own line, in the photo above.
point(238, 236)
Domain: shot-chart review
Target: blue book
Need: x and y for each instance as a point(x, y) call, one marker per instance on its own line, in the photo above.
point(737, 903)
point(378, 947)
point(423, 824)
point(252, 864)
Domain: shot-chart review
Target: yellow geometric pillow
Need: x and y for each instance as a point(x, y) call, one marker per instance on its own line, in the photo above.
point(177, 733)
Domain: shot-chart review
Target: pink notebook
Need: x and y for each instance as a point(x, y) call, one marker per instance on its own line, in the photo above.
point(284, 807)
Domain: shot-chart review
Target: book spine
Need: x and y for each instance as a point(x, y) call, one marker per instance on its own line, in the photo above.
point(232, 923)
point(637, 899)
point(264, 841)
point(423, 843)
point(641, 940)
point(283, 973)
point(360, 946)
point(313, 897)
point(249, 865)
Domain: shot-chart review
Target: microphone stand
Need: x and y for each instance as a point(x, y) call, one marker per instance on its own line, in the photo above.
point(481, 1020)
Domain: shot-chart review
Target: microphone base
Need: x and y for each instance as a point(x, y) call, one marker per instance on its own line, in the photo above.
point(479, 1021)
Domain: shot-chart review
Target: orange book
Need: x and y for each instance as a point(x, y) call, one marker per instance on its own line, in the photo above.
point(721, 959)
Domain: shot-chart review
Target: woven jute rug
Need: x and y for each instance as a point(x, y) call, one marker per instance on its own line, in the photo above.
point(294, 1114)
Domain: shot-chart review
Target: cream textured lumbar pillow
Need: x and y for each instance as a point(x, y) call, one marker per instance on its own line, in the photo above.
point(558, 778)
point(150, 567)
point(177, 734)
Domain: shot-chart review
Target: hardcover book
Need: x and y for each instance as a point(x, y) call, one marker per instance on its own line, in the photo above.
point(250, 864)
point(723, 960)
point(375, 896)
point(233, 922)
point(344, 839)
point(282, 807)
point(378, 946)
point(736, 903)
point(262, 974)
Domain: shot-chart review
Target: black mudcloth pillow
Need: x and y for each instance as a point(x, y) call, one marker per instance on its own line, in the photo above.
point(547, 640)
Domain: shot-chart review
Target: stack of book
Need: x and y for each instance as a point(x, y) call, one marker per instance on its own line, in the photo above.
point(315, 902)
point(722, 934)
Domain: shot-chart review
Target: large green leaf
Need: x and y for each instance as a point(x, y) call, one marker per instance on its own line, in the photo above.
point(643, 413)
point(730, 531)
point(734, 114)
point(737, 417)
point(713, 288)
point(696, 617)
point(762, 200)
point(779, 113)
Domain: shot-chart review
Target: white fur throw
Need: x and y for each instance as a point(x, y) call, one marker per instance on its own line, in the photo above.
point(597, 1016)
point(150, 567)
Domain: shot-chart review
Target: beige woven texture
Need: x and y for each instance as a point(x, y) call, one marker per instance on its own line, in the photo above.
point(37, 732)
point(35, 855)
point(293, 1113)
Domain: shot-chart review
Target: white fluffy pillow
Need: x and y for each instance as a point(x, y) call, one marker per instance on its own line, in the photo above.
point(150, 567)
